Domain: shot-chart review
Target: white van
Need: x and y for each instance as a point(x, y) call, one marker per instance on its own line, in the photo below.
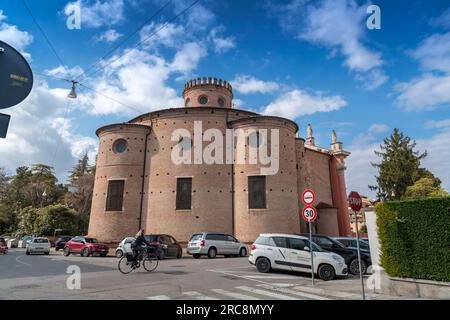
point(292, 252)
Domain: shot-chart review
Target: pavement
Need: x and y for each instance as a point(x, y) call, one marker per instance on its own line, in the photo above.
point(50, 277)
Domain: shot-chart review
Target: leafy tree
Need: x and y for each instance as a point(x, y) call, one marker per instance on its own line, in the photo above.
point(4, 179)
point(424, 188)
point(57, 217)
point(399, 166)
point(27, 221)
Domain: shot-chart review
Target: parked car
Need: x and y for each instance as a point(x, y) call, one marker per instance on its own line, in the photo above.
point(85, 246)
point(12, 243)
point(38, 245)
point(124, 246)
point(61, 241)
point(3, 246)
point(213, 244)
point(24, 241)
point(350, 242)
point(168, 246)
point(349, 254)
point(365, 239)
point(292, 252)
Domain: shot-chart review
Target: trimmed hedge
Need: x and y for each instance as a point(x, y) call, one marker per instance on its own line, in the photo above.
point(415, 238)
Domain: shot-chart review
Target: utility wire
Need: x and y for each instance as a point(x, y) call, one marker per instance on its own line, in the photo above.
point(124, 40)
point(44, 35)
point(148, 37)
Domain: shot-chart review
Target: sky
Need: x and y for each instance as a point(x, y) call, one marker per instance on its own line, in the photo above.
point(311, 61)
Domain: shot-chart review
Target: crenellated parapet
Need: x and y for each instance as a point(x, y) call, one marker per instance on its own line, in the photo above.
point(208, 92)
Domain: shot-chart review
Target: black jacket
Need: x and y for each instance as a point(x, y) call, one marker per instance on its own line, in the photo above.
point(140, 241)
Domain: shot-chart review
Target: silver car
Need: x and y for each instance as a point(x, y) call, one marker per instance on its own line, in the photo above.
point(124, 247)
point(215, 243)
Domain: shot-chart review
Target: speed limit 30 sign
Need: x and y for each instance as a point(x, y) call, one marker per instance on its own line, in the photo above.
point(309, 214)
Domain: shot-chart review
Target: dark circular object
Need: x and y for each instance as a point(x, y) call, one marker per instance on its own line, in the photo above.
point(16, 77)
point(263, 265)
point(203, 100)
point(326, 272)
point(120, 145)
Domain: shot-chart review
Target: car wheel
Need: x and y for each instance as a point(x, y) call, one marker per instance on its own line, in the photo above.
point(56, 249)
point(27, 253)
point(47, 253)
point(66, 251)
point(161, 255)
point(243, 252)
point(85, 252)
point(196, 255)
point(180, 253)
point(263, 265)
point(212, 252)
point(119, 253)
point(326, 272)
point(354, 267)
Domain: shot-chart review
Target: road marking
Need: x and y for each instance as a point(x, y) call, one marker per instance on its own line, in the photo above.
point(337, 294)
point(235, 295)
point(267, 293)
point(294, 292)
point(272, 277)
point(198, 296)
point(162, 297)
point(17, 259)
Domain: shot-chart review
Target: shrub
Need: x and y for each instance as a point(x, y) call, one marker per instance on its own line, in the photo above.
point(415, 238)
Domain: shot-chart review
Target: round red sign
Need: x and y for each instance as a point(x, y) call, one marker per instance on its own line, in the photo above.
point(308, 197)
point(309, 213)
point(355, 201)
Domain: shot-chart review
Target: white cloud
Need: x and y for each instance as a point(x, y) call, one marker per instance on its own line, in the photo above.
point(338, 25)
point(246, 84)
point(438, 124)
point(221, 44)
point(109, 36)
point(13, 36)
point(378, 128)
point(155, 34)
point(187, 58)
point(65, 71)
point(297, 102)
point(424, 93)
point(372, 79)
point(433, 53)
point(443, 20)
point(98, 13)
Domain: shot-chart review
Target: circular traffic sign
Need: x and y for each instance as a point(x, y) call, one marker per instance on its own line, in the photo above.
point(309, 213)
point(16, 77)
point(308, 197)
point(355, 201)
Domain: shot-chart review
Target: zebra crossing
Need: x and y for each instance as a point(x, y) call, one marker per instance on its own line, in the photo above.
point(257, 292)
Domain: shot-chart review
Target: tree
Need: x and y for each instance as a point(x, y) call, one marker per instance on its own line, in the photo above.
point(4, 180)
point(399, 166)
point(57, 217)
point(27, 221)
point(424, 188)
point(81, 187)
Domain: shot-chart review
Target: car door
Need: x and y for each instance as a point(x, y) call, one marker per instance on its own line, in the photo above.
point(232, 246)
point(78, 244)
point(165, 239)
point(280, 253)
point(298, 258)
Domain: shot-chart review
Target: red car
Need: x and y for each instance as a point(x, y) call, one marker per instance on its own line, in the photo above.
point(3, 246)
point(85, 247)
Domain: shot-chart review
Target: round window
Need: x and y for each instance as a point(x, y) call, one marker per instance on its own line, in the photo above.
point(221, 101)
point(203, 99)
point(120, 146)
point(187, 104)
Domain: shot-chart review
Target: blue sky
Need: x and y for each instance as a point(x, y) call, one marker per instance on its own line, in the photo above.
point(312, 61)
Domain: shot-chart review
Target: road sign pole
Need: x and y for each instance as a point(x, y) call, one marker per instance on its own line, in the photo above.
point(359, 256)
point(312, 254)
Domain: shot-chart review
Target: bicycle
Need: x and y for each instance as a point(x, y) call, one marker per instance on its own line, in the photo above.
point(133, 261)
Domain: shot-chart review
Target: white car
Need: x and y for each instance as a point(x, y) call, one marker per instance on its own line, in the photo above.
point(292, 252)
point(38, 245)
point(124, 246)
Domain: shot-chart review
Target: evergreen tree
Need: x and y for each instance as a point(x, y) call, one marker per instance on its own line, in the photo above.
point(399, 167)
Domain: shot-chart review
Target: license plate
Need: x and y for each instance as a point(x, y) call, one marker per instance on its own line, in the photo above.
point(39, 248)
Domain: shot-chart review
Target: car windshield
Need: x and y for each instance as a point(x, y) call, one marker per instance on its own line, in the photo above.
point(40, 240)
point(196, 236)
point(2, 242)
point(91, 240)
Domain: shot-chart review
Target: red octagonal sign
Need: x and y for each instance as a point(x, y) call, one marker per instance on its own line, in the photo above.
point(355, 201)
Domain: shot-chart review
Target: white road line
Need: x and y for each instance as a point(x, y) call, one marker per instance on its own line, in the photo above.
point(235, 295)
point(17, 259)
point(198, 296)
point(271, 277)
point(294, 292)
point(343, 295)
point(162, 297)
point(267, 293)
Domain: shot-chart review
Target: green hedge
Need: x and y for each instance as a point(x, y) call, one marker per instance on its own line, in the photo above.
point(415, 238)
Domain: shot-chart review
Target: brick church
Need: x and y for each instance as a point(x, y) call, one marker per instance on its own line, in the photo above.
point(139, 185)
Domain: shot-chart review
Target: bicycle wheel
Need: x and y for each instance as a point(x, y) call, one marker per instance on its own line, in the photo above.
point(150, 263)
point(125, 266)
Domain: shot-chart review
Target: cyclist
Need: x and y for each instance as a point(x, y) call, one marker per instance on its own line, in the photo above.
point(140, 244)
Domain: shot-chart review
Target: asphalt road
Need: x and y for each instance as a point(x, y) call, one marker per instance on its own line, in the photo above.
point(46, 277)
